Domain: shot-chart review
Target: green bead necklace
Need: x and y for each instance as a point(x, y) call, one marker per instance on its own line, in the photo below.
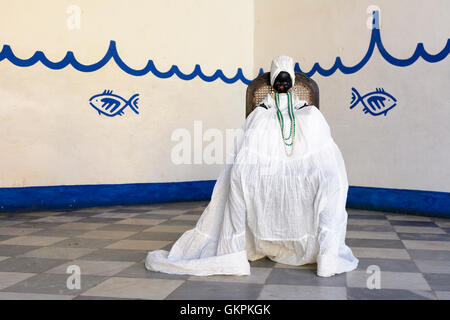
point(281, 121)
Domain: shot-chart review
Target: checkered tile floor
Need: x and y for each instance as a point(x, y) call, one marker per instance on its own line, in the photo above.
point(109, 244)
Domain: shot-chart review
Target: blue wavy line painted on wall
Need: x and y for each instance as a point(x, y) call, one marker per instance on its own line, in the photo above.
point(112, 105)
point(376, 103)
point(375, 41)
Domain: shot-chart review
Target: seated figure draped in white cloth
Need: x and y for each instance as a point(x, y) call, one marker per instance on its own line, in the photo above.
point(280, 195)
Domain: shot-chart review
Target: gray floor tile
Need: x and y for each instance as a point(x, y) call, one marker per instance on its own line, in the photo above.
point(179, 223)
point(195, 212)
point(100, 220)
point(19, 217)
point(389, 280)
point(135, 288)
point(258, 275)
point(33, 296)
point(438, 281)
point(208, 290)
point(168, 212)
point(419, 230)
point(368, 222)
point(352, 211)
point(376, 238)
point(128, 244)
point(130, 210)
point(124, 227)
point(408, 217)
point(95, 268)
point(371, 235)
point(191, 217)
point(83, 214)
point(84, 243)
point(370, 228)
point(394, 265)
point(424, 245)
point(84, 226)
point(289, 292)
point(440, 255)
point(142, 222)
point(58, 233)
point(114, 215)
point(304, 277)
point(138, 270)
point(8, 279)
point(15, 231)
point(8, 223)
point(162, 236)
point(3, 238)
point(40, 225)
point(160, 216)
point(175, 229)
point(442, 223)
point(54, 284)
point(30, 265)
point(116, 255)
point(310, 266)
point(263, 263)
point(368, 217)
point(432, 266)
point(30, 240)
point(105, 234)
point(15, 250)
point(424, 236)
point(381, 253)
point(58, 253)
point(375, 243)
point(413, 223)
point(48, 213)
point(388, 294)
point(58, 219)
point(180, 205)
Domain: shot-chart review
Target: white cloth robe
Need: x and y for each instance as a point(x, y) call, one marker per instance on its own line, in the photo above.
point(264, 203)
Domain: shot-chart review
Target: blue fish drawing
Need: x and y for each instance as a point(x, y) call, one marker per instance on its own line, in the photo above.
point(376, 102)
point(112, 105)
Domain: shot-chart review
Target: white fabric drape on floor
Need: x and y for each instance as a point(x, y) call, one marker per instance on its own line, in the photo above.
point(264, 203)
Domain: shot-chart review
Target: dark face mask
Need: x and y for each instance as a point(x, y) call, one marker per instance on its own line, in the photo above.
point(283, 82)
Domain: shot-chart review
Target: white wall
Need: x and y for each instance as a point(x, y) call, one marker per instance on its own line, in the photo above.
point(407, 149)
point(51, 136)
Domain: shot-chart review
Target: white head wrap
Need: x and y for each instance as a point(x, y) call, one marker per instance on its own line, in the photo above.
point(282, 63)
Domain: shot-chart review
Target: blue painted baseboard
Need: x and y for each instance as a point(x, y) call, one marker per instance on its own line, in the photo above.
point(66, 197)
point(419, 202)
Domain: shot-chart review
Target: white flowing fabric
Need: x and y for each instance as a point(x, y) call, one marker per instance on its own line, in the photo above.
point(264, 203)
point(290, 209)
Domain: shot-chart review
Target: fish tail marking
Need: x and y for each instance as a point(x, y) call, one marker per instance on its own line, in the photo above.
point(133, 103)
point(356, 98)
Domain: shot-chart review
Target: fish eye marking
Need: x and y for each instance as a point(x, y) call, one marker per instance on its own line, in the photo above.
point(376, 103)
point(111, 105)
